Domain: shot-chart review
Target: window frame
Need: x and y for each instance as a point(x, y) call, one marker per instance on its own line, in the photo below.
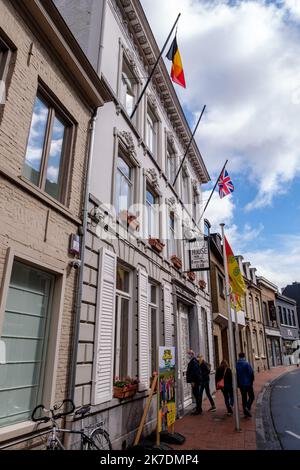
point(171, 216)
point(153, 210)
point(117, 343)
point(56, 109)
point(134, 88)
point(153, 306)
point(130, 182)
point(51, 364)
point(6, 52)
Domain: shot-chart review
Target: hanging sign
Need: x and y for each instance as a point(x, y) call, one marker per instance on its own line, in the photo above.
point(166, 384)
point(199, 255)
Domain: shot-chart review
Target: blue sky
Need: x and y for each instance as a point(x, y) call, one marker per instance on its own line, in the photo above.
point(241, 59)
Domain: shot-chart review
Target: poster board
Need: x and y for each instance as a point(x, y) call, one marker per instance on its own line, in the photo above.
point(199, 255)
point(166, 388)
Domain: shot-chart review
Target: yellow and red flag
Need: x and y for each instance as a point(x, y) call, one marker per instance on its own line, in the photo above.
point(177, 73)
point(236, 279)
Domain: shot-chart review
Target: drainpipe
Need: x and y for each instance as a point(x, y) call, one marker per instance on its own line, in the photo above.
point(99, 63)
point(82, 251)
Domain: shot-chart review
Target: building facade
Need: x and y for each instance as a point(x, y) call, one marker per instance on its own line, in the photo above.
point(293, 292)
point(254, 336)
point(219, 306)
point(289, 328)
point(137, 291)
point(271, 325)
point(50, 93)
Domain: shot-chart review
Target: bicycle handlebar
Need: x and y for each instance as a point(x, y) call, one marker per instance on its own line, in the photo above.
point(45, 419)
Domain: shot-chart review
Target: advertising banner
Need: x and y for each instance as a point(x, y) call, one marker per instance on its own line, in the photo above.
point(166, 387)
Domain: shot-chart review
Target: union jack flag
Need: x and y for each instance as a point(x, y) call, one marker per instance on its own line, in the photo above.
point(225, 184)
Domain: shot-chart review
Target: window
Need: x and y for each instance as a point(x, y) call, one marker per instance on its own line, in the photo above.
point(195, 204)
point(257, 307)
point(5, 56)
point(280, 314)
point(124, 185)
point(265, 313)
point(263, 349)
point(128, 88)
point(257, 352)
point(123, 328)
point(185, 192)
point(152, 213)
point(151, 132)
point(154, 326)
point(293, 318)
point(171, 165)
point(289, 317)
point(284, 316)
point(48, 148)
point(25, 333)
point(221, 286)
point(172, 240)
point(251, 307)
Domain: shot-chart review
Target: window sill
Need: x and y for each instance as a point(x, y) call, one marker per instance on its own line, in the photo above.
point(20, 430)
point(24, 184)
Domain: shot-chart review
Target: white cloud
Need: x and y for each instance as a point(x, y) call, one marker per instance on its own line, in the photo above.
point(280, 265)
point(241, 60)
point(52, 174)
point(218, 210)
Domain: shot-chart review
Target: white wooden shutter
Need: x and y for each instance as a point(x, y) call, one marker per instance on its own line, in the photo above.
point(143, 330)
point(168, 320)
point(104, 329)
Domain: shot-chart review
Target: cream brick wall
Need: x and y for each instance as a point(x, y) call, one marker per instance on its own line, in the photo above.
point(23, 214)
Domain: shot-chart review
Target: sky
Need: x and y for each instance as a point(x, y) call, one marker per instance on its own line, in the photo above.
point(242, 59)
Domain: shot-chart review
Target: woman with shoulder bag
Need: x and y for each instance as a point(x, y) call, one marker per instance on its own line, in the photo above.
point(224, 383)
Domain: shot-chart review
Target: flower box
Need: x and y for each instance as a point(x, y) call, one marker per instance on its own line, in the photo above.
point(156, 244)
point(176, 262)
point(127, 391)
point(191, 275)
point(202, 284)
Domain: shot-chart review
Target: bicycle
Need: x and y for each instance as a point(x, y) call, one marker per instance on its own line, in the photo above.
point(96, 439)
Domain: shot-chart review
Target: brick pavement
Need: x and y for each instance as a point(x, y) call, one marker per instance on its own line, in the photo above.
point(216, 431)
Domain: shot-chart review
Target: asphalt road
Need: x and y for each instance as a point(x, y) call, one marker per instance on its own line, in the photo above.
point(285, 410)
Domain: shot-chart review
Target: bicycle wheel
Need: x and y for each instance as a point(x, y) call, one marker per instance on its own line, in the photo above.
point(99, 440)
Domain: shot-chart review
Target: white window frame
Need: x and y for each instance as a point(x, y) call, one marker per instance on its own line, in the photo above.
point(153, 306)
point(126, 86)
point(153, 210)
point(129, 181)
point(117, 347)
point(172, 240)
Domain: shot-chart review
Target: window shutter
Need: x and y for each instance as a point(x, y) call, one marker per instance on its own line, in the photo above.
point(104, 330)
point(143, 330)
point(168, 320)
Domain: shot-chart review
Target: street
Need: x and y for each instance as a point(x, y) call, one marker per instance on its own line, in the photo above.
point(285, 409)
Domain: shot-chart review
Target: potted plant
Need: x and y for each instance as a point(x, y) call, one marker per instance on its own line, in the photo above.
point(176, 261)
point(202, 284)
point(156, 244)
point(191, 275)
point(125, 388)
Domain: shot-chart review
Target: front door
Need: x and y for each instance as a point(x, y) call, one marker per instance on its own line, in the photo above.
point(184, 336)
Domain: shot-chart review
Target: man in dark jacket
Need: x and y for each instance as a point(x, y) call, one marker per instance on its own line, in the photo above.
point(204, 384)
point(245, 379)
point(193, 377)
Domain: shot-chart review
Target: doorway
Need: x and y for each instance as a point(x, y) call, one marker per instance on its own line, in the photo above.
point(185, 344)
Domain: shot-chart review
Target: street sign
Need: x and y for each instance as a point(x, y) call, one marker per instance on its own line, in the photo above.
point(199, 255)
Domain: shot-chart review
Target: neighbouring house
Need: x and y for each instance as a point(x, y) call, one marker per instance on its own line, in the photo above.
point(50, 94)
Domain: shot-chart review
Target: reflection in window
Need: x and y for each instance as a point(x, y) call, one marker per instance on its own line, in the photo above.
point(123, 195)
point(128, 88)
point(44, 163)
point(152, 213)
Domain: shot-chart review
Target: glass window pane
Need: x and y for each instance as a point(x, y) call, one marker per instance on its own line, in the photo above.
point(24, 334)
point(34, 152)
point(122, 280)
point(124, 338)
point(53, 175)
point(124, 167)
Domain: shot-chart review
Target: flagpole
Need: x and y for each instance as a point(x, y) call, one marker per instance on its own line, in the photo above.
point(231, 338)
point(212, 193)
point(189, 144)
point(236, 327)
point(153, 70)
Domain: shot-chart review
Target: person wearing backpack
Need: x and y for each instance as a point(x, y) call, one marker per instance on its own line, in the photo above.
point(204, 384)
point(224, 383)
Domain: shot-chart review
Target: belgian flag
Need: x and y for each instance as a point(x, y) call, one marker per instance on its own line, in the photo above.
point(177, 73)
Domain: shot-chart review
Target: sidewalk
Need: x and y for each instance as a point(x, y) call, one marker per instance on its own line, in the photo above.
point(215, 431)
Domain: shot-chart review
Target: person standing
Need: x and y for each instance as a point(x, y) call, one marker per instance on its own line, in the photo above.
point(193, 376)
point(224, 383)
point(204, 383)
point(245, 379)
